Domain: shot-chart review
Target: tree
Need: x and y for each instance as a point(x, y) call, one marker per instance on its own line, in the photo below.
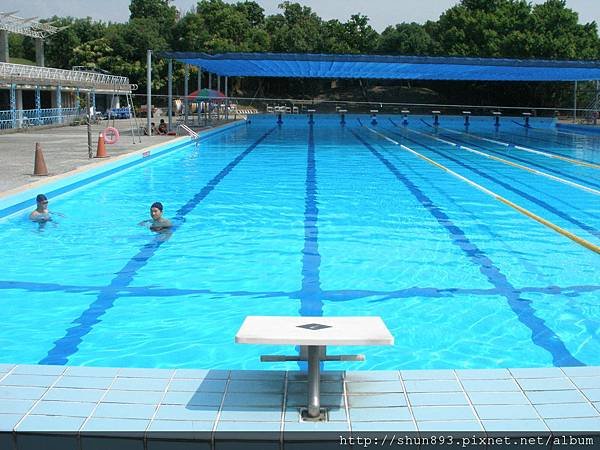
point(406, 39)
point(92, 54)
point(159, 11)
point(254, 13)
point(559, 35)
point(217, 27)
point(129, 43)
point(354, 36)
point(59, 47)
point(515, 29)
point(297, 30)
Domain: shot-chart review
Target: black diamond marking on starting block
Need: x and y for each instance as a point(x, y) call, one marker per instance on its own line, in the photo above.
point(314, 326)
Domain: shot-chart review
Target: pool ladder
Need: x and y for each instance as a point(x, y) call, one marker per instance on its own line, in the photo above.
point(189, 131)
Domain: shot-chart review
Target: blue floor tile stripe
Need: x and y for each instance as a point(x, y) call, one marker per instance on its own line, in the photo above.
point(507, 186)
point(340, 295)
point(310, 295)
point(541, 335)
point(68, 345)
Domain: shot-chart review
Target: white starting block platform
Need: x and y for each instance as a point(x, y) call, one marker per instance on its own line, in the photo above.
point(314, 334)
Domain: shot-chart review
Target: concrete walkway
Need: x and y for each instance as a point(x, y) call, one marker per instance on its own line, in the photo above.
point(64, 148)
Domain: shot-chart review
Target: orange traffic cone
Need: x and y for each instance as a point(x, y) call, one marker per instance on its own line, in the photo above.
point(39, 165)
point(101, 151)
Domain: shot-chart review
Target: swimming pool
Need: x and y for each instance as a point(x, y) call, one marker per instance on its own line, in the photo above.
point(319, 220)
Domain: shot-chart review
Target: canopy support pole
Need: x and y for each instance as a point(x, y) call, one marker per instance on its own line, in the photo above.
point(170, 94)
point(597, 109)
point(198, 101)
point(575, 103)
point(226, 99)
point(148, 92)
point(186, 92)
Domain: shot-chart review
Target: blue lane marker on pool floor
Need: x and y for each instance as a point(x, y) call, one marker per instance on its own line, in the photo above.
point(340, 295)
point(310, 295)
point(68, 345)
point(507, 186)
point(541, 335)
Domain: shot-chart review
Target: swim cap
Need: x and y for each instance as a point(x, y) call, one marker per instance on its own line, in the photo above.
point(157, 205)
point(40, 198)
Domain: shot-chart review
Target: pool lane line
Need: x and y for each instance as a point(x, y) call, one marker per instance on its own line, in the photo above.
point(531, 163)
point(509, 187)
point(544, 136)
point(68, 344)
point(510, 163)
point(583, 242)
point(311, 303)
point(541, 335)
point(339, 295)
point(527, 149)
point(572, 133)
point(558, 171)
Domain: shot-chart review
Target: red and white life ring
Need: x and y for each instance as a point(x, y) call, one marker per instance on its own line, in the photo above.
point(111, 135)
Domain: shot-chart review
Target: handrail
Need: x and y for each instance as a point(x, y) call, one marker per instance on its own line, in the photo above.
point(189, 131)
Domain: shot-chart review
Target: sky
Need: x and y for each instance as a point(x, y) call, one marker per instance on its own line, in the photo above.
point(380, 12)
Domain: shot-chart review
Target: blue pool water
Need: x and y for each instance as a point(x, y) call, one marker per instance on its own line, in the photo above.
point(318, 220)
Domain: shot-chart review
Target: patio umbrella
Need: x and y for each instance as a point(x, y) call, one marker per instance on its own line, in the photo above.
point(206, 94)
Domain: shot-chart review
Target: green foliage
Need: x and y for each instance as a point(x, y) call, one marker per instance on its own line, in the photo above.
point(297, 30)
point(217, 27)
point(515, 29)
point(159, 11)
point(482, 28)
point(558, 34)
point(59, 47)
point(406, 39)
point(21, 47)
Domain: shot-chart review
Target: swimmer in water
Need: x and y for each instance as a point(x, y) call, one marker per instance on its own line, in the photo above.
point(158, 222)
point(40, 213)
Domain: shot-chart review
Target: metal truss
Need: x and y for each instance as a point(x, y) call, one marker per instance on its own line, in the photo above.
point(27, 27)
point(48, 76)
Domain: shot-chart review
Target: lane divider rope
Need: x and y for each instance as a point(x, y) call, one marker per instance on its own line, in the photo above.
point(583, 242)
point(510, 163)
point(529, 150)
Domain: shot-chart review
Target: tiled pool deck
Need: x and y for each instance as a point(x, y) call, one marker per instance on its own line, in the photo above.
point(141, 406)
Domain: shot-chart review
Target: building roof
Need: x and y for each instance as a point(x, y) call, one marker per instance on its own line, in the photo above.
point(388, 67)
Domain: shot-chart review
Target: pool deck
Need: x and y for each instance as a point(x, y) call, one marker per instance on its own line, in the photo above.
point(79, 405)
point(64, 148)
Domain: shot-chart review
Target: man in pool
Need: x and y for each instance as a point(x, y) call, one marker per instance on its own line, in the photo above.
point(158, 222)
point(40, 213)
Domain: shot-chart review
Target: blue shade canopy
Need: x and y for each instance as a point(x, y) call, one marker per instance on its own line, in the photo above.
point(389, 67)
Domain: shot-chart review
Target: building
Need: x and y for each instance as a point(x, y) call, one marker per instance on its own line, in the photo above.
point(38, 95)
